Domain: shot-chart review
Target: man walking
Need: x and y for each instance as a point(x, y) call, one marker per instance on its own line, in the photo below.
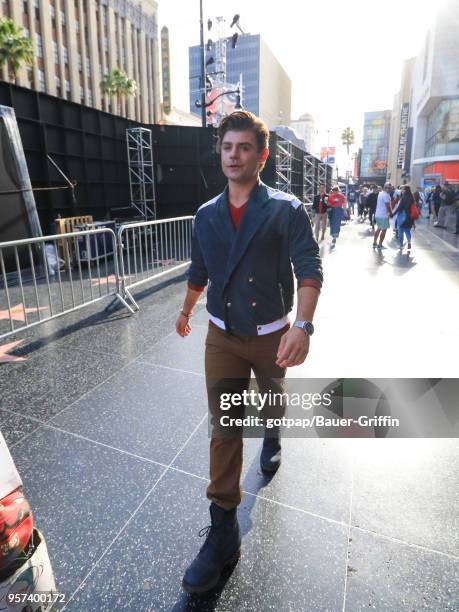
point(382, 212)
point(351, 200)
point(245, 242)
point(319, 206)
point(372, 200)
point(363, 195)
point(336, 202)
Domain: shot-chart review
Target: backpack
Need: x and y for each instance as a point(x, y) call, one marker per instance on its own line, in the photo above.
point(414, 212)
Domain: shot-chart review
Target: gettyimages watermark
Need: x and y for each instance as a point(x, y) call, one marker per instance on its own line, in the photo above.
point(330, 408)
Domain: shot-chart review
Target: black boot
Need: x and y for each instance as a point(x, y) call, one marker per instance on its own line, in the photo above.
point(270, 458)
point(221, 549)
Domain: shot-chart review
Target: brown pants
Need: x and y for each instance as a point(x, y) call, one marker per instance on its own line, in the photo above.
point(229, 360)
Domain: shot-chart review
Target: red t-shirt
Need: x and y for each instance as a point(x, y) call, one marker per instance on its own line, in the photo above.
point(236, 213)
point(336, 200)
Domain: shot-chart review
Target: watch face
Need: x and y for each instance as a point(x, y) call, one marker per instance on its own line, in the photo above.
point(308, 327)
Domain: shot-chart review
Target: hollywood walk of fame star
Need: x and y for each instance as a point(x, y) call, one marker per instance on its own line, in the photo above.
point(4, 348)
point(104, 280)
point(17, 312)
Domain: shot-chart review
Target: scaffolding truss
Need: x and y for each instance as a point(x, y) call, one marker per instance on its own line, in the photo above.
point(323, 175)
point(284, 166)
point(141, 171)
point(309, 187)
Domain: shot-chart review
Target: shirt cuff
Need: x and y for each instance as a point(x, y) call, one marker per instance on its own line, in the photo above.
point(195, 287)
point(310, 282)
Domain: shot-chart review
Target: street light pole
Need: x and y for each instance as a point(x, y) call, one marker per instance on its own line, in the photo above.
point(203, 70)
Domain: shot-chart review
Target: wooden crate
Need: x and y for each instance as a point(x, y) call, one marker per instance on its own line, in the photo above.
point(65, 226)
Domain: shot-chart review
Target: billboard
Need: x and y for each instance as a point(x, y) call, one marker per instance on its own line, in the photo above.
point(404, 116)
point(327, 155)
point(375, 144)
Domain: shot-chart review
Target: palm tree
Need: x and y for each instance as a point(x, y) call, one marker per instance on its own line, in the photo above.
point(117, 83)
point(16, 49)
point(348, 138)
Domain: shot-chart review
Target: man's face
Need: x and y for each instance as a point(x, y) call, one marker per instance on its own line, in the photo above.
point(321, 189)
point(240, 157)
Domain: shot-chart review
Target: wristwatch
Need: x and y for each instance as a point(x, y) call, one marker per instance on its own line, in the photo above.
point(306, 326)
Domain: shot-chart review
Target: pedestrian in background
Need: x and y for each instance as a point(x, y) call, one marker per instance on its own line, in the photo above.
point(429, 202)
point(404, 219)
point(362, 210)
point(336, 202)
point(319, 206)
point(418, 199)
point(383, 209)
point(351, 200)
point(372, 200)
point(394, 207)
point(435, 202)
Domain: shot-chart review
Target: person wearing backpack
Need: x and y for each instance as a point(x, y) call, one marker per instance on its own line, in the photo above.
point(406, 215)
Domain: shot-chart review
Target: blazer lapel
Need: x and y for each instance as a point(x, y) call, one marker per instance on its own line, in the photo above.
point(221, 222)
point(255, 215)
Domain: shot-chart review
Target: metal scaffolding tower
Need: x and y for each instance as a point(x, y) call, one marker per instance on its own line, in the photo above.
point(141, 171)
point(322, 175)
point(309, 187)
point(284, 165)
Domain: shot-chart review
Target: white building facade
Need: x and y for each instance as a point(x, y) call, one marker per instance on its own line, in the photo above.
point(433, 118)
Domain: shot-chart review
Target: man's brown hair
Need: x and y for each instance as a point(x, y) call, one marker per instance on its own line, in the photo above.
point(241, 121)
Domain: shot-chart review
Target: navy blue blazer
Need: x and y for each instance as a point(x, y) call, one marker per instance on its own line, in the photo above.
point(249, 270)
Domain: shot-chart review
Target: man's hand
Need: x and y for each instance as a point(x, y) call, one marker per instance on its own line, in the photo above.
point(293, 348)
point(182, 325)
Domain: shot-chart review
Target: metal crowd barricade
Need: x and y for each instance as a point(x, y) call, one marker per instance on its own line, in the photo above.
point(38, 290)
point(149, 249)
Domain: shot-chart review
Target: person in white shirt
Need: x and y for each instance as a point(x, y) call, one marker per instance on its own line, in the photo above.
point(382, 217)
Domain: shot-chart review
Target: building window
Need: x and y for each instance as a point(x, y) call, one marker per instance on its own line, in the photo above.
point(52, 11)
point(36, 4)
point(105, 44)
point(38, 44)
point(67, 86)
point(80, 67)
point(88, 65)
point(66, 55)
point(55, 52)
point(41, 80)
point(81, 93)
point(62, 14)
point(442, 135)
point(90, 98)
point(100, 71)
point(77, 26)
point(57, 80)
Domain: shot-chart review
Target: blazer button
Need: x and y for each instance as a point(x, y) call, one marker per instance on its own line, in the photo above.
point(251, 279)
point(228, 304)
point(254, 304)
